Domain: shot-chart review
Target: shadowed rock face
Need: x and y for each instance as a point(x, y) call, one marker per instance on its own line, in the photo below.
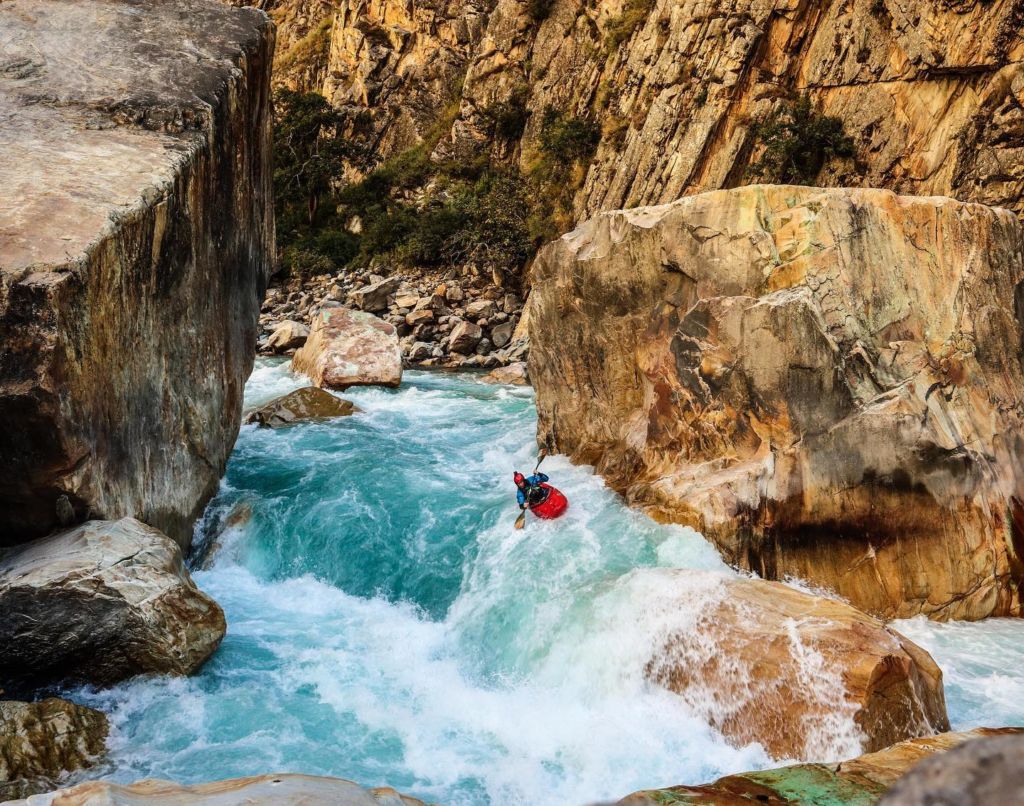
point(99, 603)
point(136, 234)
point(39, 741)
point(828, 384)
point(857, 782)
point(271, 790)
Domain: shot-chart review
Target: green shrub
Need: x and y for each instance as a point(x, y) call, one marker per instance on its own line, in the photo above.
point(304, 263)
point(539, 10)
point(567, 139)
point(797, 142)
point(509, 117)
point(621, 28)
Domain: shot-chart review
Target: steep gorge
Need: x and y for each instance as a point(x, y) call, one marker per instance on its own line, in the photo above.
point(931, 92)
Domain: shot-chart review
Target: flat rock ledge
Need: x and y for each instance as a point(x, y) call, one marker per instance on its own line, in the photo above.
point(100, 603)
point(260, 790)
point(858, 782)
point(41, 741)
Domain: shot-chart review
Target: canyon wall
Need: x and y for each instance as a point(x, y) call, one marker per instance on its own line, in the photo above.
point(826, 383)
point(930, 92)
point(136, 237)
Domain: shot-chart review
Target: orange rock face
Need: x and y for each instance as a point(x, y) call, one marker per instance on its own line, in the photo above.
point(826, 383)
point(806, 676)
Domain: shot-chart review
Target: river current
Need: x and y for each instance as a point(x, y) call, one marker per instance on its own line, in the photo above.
point(387, 624)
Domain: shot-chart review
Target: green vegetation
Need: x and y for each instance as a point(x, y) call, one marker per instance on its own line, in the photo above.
point(509, 117)
point(539, 10)
point(621, 28)
point(797, 142)
point(411, 210)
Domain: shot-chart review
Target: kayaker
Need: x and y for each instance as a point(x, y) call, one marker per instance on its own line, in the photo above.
point(529, 491)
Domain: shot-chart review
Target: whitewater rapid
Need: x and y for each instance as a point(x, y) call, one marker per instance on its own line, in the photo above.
point(387, 624)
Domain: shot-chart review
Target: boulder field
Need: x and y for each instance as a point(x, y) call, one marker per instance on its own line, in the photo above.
point(136, 237)
point(99, 603)
point(827, 383)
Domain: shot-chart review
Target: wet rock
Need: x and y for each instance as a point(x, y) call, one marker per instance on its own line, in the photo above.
point(502, 334)
point(99, 603)
point(288, 335)
point(41, 741)
point(735, 659)
point(260, 790)
point(309, 403)
point(464, 337)
point(765, 364)
point(131, 264)
point(513, 374)
point(860, 780)
point(986, 770)
point(350, 348)
point(374, 297)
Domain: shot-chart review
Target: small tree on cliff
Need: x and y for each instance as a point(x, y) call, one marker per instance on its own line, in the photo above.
point(797, 143)
point(309, 153)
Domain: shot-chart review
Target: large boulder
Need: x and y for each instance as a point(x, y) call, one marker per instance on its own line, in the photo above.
point(309, 403)
point(465, 337)
point(805, 676)
point(826, 383)
point(260, 790)
point(350, 348)
point(40, 741)
point(515, 373)
point(136, 237)
point(99, 603)
point(857, 781)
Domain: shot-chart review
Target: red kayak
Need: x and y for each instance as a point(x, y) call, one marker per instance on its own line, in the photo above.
point(551, 507)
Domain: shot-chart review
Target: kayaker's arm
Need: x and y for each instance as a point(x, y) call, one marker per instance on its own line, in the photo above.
point(521, 498)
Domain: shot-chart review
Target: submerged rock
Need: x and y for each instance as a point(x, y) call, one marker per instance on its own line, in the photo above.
point(805, 676)
point(309, 403)
point(39, 741)
point(826, 383)
point(857, 782)
point(99, 603)
point(350, 348)
point(260, 790)
point(984, 771)
point(136, 237)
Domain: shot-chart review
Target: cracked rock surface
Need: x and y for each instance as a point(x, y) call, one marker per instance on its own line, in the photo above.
point(99, 603)
point(826, 383)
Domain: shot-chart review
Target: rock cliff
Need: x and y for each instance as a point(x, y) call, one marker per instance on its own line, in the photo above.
point(136, 235)
point(931, 92)
point(826, 383)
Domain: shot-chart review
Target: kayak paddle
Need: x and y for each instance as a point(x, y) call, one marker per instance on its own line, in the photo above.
point(521, 520)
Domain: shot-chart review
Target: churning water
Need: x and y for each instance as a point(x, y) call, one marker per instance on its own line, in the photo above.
point(387, 624)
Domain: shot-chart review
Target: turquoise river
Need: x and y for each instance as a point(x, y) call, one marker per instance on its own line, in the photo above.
point(387, 624)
